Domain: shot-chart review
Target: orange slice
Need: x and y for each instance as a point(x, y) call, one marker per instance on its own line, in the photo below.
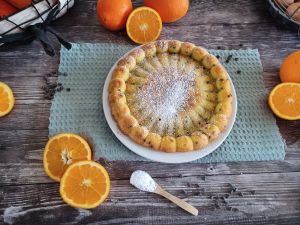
point(284, 101)
point(61, 151)
point(143, 25)
point(85, 184)
point(7, 99)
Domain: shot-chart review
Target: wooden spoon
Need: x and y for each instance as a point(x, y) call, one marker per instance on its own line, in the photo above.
point(143, 181)
point(182, 204)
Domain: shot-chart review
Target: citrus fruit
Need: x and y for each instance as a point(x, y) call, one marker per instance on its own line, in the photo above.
point(20, 4)
point(113, 14)
point(143, 25)
point(61, 151)
point(169, 10)
point(290, 68)
point(7, 99)
point(6, 9)
point(284, 101)
point(85, 184)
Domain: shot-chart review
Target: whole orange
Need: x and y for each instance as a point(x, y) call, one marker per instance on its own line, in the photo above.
point(169, 10)
point(20, 4)
point(113, 14)
point(6, 9)
point(290, 68)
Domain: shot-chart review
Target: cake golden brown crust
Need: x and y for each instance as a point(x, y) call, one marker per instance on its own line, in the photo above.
point(153, 140)
point(168, 144)
point(138, 134)
point(171, 96)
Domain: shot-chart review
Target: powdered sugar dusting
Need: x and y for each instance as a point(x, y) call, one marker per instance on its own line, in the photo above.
point(165, 94)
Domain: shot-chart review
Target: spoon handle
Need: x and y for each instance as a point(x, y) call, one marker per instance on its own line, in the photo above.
point(182, 204)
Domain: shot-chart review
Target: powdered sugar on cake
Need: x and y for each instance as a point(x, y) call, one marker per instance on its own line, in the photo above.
point(164, 95)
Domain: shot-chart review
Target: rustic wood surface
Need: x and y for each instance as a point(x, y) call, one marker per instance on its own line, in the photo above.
point(267, 192)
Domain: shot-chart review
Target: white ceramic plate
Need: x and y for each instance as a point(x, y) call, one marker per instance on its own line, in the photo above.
point(178, 157)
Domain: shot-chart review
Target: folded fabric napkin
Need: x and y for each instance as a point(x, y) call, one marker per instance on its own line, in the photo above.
point(78, 107)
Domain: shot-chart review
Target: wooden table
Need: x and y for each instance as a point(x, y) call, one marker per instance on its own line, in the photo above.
point(268, 192)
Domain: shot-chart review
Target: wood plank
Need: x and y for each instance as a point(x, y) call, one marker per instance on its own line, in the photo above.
point(206, 12)
point(275, 196)
point(29, 90)
point(33, 173)
point(26, 116)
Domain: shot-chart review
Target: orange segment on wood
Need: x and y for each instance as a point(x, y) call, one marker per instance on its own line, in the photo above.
point(7, 99)
point(284, 101)
point(85, 184)
point(143, 25)
point(61, 151)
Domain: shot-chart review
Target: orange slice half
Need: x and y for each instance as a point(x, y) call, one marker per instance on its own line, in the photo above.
point(85, 184)
point(143, 25)
point(61, 151)
point(7, 99)
point(284, 101)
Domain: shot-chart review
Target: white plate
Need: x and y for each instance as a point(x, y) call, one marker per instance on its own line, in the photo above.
point(177, 157)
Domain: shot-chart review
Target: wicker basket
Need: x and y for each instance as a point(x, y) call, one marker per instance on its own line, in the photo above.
point(282, 17)
point(33, 23)
point(35, 13)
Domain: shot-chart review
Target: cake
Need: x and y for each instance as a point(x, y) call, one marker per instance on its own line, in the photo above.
point(170, 96)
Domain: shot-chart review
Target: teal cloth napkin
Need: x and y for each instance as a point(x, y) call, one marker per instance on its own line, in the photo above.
point(78, 107)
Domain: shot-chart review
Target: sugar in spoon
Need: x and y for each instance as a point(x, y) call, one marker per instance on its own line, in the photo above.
point(143, 181)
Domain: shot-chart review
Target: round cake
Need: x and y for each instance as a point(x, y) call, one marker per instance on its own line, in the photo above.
point(170, 96)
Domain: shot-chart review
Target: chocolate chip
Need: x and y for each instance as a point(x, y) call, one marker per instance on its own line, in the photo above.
point(198, 193)
point(228, 59)
point(60, 88)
